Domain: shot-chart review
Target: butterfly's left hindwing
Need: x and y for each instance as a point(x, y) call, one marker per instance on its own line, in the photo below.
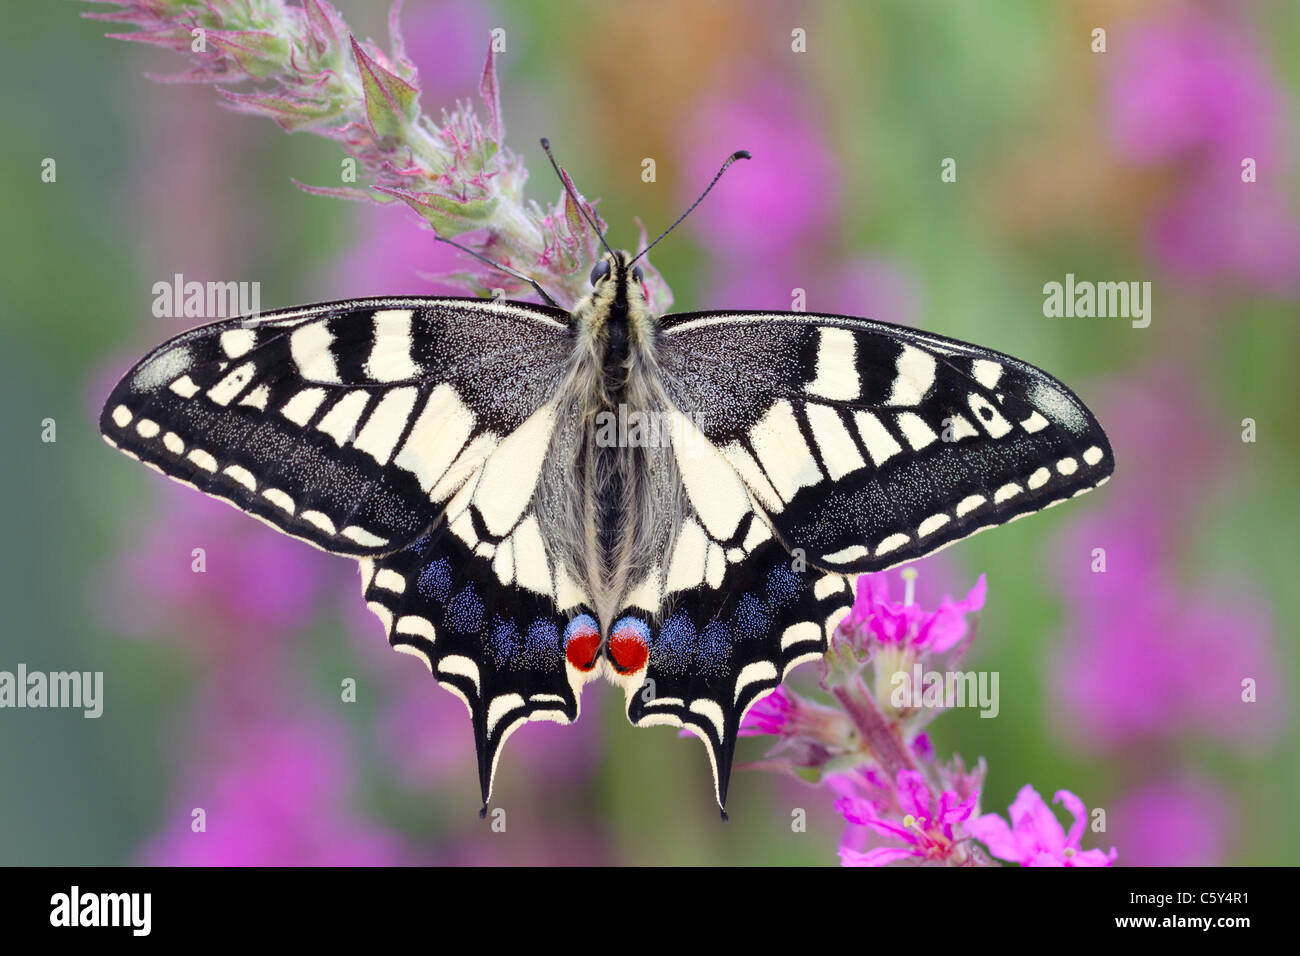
point(868, 445)
point(348, 424)
point(498, 645)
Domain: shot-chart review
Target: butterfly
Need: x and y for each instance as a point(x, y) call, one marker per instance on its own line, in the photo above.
point(537, 498)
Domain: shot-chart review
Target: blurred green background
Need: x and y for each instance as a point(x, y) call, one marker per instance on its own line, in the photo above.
point(1123, 165)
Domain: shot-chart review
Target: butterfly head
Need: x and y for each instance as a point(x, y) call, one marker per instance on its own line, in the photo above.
point(616, 306)
point(614, 272)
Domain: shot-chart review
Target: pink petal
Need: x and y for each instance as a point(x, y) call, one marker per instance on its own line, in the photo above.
point(956, 814)
point(893, 829)
point(1093, 858)
point(913, 795)
point(1043, 858)
point(856, 810)
point(975, 597)
point(1035, 826)
point(877, 857)
point(995, 833)
point(1076, 807)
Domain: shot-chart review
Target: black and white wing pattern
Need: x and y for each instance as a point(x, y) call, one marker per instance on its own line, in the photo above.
point(867, 444)
point(489, 629)
point(812, 448)
point(719, 646)
point(348, 424)
point(408, 433)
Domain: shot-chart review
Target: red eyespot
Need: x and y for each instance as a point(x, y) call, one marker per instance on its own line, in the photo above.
point(629, 645)
point(582, 642)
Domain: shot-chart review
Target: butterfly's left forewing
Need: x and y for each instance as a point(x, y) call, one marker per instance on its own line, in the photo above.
point(409, 433)
point(349, 424)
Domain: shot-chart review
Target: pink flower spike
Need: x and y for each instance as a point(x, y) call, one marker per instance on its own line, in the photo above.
point(877, 621)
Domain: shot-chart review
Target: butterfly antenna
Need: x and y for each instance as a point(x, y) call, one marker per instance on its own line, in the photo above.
point(738, 154)
point(568, 188)
point(501, 268)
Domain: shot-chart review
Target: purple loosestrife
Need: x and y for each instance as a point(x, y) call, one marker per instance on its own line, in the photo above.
point(1035, 837)
point(871, 749)
point(299, 65)
point(928, 830)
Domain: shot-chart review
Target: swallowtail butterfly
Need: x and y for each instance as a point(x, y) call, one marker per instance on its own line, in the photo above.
point(538, 498)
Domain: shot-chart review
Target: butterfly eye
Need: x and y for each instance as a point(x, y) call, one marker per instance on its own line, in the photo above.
point(637, 274)
point(599, 271)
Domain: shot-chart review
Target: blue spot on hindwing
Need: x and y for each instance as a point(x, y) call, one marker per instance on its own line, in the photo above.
point(581, 623)
point(465, 611)
point(673, 646)
point(503, 640)
point(542, 647)
point(435, 581)
point(752, 618)
point(634, 623)
point(783, 586)
point(713, 650)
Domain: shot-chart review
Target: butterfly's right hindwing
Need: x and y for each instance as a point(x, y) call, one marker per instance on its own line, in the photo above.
point(347, 424)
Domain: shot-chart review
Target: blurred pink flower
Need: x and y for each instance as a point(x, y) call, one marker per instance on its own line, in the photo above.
point(1217, 227)
point(781, 201)
point(254, 584)
point(274, 792)
point(1193, 91)
point(1158, 663)
point(1146, 657)
point(1174, 821)
point(1194, 84)
point(421, 728)
point(927, 828)
point(423, 732)
point(872, 288)
point(1035, 837)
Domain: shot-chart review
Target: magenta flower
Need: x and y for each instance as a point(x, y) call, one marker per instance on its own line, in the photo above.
point(927, 828)
point(788, 714)
point(771, 714)
point(876, 621)
point(1035, 837)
